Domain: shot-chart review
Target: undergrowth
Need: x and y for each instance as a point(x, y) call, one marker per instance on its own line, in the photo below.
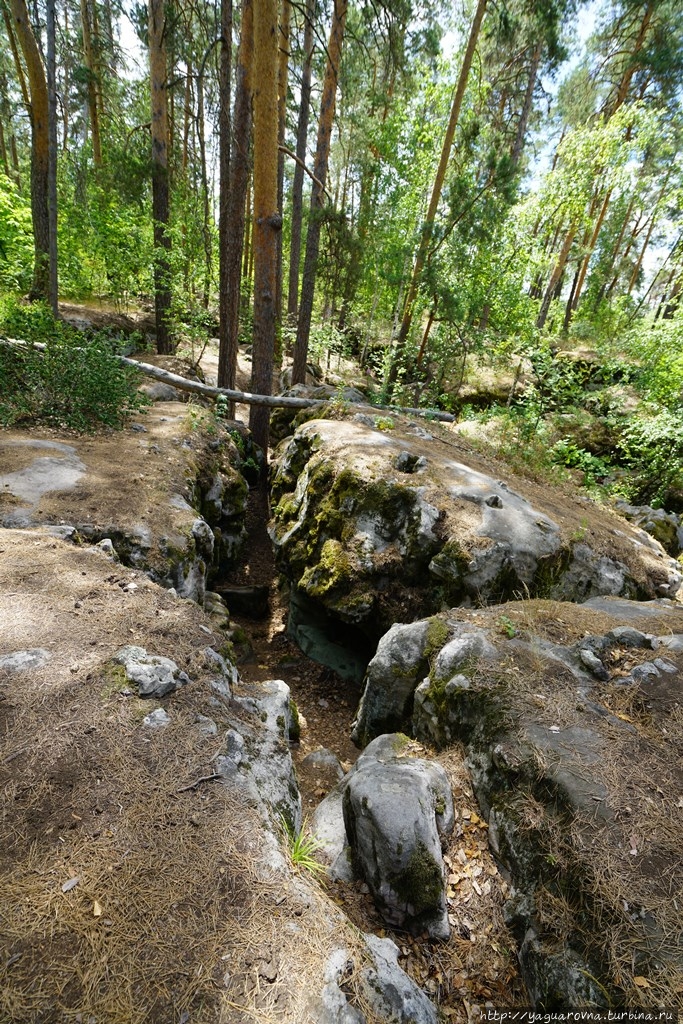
point(75, 382)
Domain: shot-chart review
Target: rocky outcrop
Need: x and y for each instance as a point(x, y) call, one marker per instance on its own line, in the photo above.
point(571, 720)
point(665, 527)
point(284, 422)
point(175, 497)
point(387, 819)
point(378, 521)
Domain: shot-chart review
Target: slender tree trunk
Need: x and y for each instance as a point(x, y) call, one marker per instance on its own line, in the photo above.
point(3, 151)
point(38, 111)
point(225, 367)
point(187, 118)
point(66, 87)
point(160, 190)
point(21, 77)
point(518, 144)
point(322, 152)
point(556, 277)
point(206, 205)
point(298, 181)
point(267, 217)
point(52, 153)
point(616, 248)
point(233, 232)
point(427, 230)
point(282, 75)
point(93, 109)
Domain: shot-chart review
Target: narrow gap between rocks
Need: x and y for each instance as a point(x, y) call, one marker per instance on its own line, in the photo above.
point(325, 701)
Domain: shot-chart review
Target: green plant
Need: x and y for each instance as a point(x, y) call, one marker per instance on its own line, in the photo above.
point(75, 381)
point(301, 847)
point(507, 626)
point(567, 453)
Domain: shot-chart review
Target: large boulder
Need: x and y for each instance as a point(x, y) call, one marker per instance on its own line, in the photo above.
point(395, 811)
point(570, 715)
point(387, 819)
point(378, 521)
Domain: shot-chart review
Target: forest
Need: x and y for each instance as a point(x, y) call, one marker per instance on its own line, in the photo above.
point(418, 186)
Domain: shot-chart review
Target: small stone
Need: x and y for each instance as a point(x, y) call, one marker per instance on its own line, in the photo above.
point(157, 719)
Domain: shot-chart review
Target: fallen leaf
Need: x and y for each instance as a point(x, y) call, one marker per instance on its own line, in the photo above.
point(96, 909)
point(641, 982)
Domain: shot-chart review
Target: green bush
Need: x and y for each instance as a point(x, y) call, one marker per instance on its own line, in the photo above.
point(75, 382)
point(652, 449)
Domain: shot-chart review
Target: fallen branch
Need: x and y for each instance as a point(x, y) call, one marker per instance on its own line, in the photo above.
point(247, 398)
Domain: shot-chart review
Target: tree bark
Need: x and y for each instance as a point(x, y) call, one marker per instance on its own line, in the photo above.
point(224, 144)
point(206, 204)
point(408, 309)
point(518, 144)
point(233, 234)
point(38, 111)
point(282, 76)
point(556, 277)
point(322, 152)
point(298, 182)
point(52, 155)
point(93, 108)
point(267, 217)
point(160, 189)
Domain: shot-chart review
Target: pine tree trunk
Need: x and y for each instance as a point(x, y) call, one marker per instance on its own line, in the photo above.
point(555, 277)
point(232, 240)
point(267, 217)
point(50, 17)
point(160, 189)
point(518, 145)
point(282, 76)
point(298, 182)
point(39, 117)
point(322, 152)
point(224, 147)
point(93, 109)
point(206, 205)
point(408, 309)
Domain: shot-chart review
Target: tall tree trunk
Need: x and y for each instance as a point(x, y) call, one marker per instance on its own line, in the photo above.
point(187, 117)
point(322, 152)
point(66, 87)
point(21, 77)
point(93, 107)
point(3, 151)
point(233, 233)
point(40, 148)
point(518, 144)
point(632, 66)
point(556, 277)
point(224, 146)
point(408, 309)
point(267, 217)
point(160, 190)
point(52, 153)
point(298, 181)
point(282, 75)
point(206, 204)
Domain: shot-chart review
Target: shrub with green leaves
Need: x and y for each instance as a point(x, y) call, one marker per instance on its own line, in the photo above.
point(652, 449)
point(74, 382)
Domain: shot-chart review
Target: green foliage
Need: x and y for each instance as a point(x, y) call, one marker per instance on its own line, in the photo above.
point(567, 453)
point(75, 382)
point(659, 349)
point(652, 449)
point(301, 847)
point(16, 238)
